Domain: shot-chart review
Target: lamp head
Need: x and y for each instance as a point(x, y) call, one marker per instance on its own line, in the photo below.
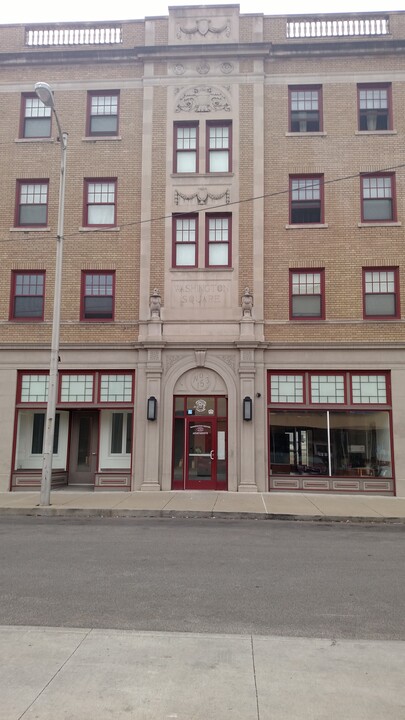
point(45, 94)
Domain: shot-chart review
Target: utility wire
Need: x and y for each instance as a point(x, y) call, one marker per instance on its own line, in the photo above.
point(134, 223)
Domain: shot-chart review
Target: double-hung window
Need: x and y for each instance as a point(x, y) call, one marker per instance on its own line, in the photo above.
point(307, 295)
point(219, 235)
point(102, 113)
point(185, 233)
point(27, 295)
point(378, 198)
point(32, 203)
point(186, 147)
point(305, 109)
point(374, 107)
point(381, 293)
point(36, 117)
point(306, 199)
point(100, 202)
point(97, 295)
point(219, 145)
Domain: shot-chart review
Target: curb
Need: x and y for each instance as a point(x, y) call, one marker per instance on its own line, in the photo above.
point(190, 514)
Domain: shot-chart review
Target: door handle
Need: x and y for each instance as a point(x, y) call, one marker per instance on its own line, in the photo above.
point(212, 454)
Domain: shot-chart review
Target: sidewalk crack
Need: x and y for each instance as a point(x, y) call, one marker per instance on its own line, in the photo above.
point(55, 674)
point(254, 677)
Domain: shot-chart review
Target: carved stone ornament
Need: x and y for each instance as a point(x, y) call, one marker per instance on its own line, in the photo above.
point(200, 357)
point(202, 195)
point(203, 99)
point(229, 360)
point(226, 67)
point(172, 360)
point(247, 303)
point(155, 303)
point(179, 69)
point(204, 27)
point(203, 68)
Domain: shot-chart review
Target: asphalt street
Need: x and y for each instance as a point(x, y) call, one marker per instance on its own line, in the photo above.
point(314, 580)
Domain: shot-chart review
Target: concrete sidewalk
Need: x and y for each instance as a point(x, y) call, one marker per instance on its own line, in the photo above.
point(83, 674)
point(208, 504)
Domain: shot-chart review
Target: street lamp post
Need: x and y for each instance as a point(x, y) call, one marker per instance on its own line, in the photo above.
point(44, 92)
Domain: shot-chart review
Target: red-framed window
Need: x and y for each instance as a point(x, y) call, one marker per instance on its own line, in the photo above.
point(378, 202)
point(98, 295)
point(32, 203)
point(36, 118)
point(185, 240)
point(305, 108)
point(219, 147)
point(185, 148)
point(104, 387)
point(218, 240)
point(286, 387)
point(306, 199)
point(307, 294)
point(330, 424)
point(27, 295)
point(374, 107)
point(381, 293)
point(336, 387)
point(102, 113)
point(100, 202)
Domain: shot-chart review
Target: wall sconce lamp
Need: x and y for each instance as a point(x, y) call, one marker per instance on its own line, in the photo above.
point(247, 408)
point(151, 408)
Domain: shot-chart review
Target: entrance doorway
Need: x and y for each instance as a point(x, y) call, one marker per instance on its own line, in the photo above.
point(200, 443)
point(83, 448)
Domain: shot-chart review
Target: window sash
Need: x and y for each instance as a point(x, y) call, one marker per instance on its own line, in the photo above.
point(305, 107)
point(186, 161)
point(378, 209)
point(121, 433)
point(38, 426)
point(306, 306)
point(381, 304)
point(33, 204)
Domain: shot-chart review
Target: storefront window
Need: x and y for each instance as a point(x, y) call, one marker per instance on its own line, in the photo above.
point(357, 442)
point(360, 444)
point(298, 442)
point(331, 442)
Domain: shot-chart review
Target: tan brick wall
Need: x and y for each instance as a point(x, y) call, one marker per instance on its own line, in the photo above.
point(117, 250)
point(342, 248)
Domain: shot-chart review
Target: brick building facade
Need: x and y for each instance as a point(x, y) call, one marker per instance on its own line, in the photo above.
point(233, 252)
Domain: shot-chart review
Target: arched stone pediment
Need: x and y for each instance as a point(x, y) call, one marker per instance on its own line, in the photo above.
point(200, 381)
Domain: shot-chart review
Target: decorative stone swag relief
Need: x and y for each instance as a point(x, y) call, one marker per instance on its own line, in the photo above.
point(203, 28)
point(201, 196)
point(203, 99)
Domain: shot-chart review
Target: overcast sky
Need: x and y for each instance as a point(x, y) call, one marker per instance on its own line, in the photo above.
point(27, 11)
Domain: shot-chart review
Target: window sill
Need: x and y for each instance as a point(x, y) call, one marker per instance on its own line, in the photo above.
point(383, 223)
point(321, 133)
point(39, 139)
point(26, 320)
point(375, 132)
point(307, 226)
point(30, 229)
point(202, 175)
point(201, 269)
point(97, 138)
point(384, 318)
point(100, 228)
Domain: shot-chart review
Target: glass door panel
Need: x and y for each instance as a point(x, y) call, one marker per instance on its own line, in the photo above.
point(200, 451)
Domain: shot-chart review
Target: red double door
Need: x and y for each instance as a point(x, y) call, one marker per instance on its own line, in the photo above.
point(205, 455)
